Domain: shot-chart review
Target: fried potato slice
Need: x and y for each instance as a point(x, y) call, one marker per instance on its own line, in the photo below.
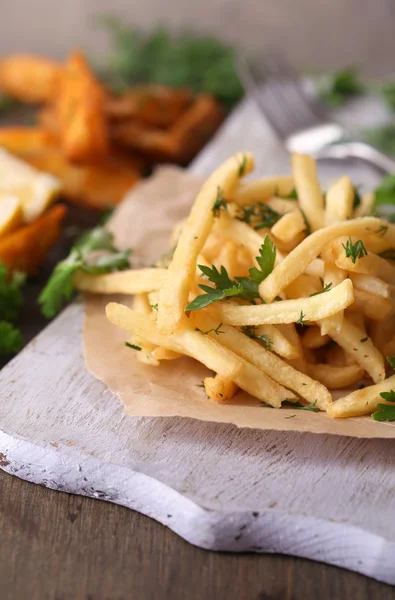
point(361, 402)
point(26, 248)
point(80, 109)
point(31, 79)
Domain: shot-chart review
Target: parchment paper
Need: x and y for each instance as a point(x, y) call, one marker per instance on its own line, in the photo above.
point(144, 222)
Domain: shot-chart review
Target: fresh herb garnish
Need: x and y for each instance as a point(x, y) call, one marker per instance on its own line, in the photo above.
point(302, 318)
point(298, 406)
point(10, 339)
point(10, 293)
point(340, 86)
point(259, 215)
point(386, 412)
point(391, 361)
point(132, 346)
point(325, 288)
point(293, 195)
point(363, 340)
point(219, 203)
point(244, 287)
point(388, 93)
point(59, 287)
point(243, 165)
point(250, 331)
point(354, 251)
point(154, 306)
point(385, 192)
point(216, 330)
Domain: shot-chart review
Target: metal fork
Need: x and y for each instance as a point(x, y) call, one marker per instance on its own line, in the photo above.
point(298, 118)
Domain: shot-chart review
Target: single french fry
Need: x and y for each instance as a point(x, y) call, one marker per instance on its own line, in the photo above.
point(353, 340)
point(219, 389)
point(32, 79)
point(366, 206)
point(313, 308)
point(289, 226)
point(25, 140)
point(266, 361)
point(26, 248)
point(333, 275)
point(361, 402)
point(336, 378)
point(145, 354)
point(279, 343)
point(80, 108)
point(263, 189)
point(290, 332)
point(311, 199)
point(131, 281)
point(373, 307)
point(371, 264)
point(174, 293)
point(281, 205)
point(339, 201)
point(316, 268)
point(314, 339)
point(372, 285)
point(298, 260)
point(165, 354)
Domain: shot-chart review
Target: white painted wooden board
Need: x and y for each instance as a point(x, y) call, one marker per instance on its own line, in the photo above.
point(327, 498)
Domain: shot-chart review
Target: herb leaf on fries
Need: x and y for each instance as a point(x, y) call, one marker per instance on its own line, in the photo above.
point(386, 412)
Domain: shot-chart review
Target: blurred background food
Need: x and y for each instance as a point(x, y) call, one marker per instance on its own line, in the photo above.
point(95, 94)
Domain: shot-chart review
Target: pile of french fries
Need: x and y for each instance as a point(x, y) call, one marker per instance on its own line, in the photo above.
point(326, 305)
point(96, 143)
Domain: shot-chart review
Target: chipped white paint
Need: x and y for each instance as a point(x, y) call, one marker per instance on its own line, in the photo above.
point(326, 498)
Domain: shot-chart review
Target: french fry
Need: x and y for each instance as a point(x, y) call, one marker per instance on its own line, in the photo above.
point(372, 285)
point(174, 293)
point(361, 402)
point(238, 232)
point(355, 341)
point(339, 201)
point(263, 189)
point(334, 276)
point(281, 205)
point(313, 308)
point(290, 332)
point(165, 354)
point(155, 105)
point(371, 264)
point(289, 226)
point(11, 214)
point(25, 140)
point(314, 339)
point(311, 199)
point(279, 343)
point(80, 109)
point(26, 248)
point(303, 287)
point(145, 354)
point(372, 306)
point(336, 378)
point(219, 389)
point(266, 361)
point(131, 281)
point(298, 260)
point(29, 78)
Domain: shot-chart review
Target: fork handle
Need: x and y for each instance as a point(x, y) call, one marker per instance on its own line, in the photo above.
point(361, 151)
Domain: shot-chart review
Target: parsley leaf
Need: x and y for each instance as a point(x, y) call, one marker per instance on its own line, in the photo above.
point(10, 293)
point(391, 361)
point(10, 339)
point(59, 287)
point(132, 346)
point(250, 331)
point(386, 412)
point(355, 251)
point(259, 215)
point(265, 260)
point(340, 86)
point(298, 406)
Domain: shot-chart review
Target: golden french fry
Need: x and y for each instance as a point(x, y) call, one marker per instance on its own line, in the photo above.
point(131, 281)
point(289, 226)
point(336, 378)
point(219, 389)
point(372, 285)
point(263, 189)
point(174, 293)
point(339, 201)
point(165, 354)
point(281, 205)
point(373, 307)
point(314, 339)
point(371, 264)
point(278, 342)
point(313, 308)
point(355, 341)
point(290, 332)
point(303, 287)
point(311, 199)
point(25, 140)
point(298, 260)
point(145, 354)
point(266, 361)
point(361, 402)
point(334, 276)
point(32, 79)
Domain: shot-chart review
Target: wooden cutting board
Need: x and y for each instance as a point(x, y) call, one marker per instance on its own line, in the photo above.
point(327, 498)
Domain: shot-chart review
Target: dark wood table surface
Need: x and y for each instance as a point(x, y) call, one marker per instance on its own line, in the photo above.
point(58, 546)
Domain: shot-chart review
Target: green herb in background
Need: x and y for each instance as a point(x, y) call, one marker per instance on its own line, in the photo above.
point(10, 339)
point(59, 287)
point(385, 192)
point(382, 137)
point(388, 93)
point(339, 86)
point(10, 303)
point(203, 63)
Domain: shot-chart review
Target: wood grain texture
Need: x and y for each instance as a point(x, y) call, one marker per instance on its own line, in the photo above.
point(63, 547)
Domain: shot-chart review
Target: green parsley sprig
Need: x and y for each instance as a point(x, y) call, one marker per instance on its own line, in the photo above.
point(385, 412)
point(355, 251)
point(298, 406)
point(59, 287)
point(250, 331)
point(10, 303)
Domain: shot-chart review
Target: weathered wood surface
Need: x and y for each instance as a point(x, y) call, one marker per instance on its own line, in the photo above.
point(323, 497)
